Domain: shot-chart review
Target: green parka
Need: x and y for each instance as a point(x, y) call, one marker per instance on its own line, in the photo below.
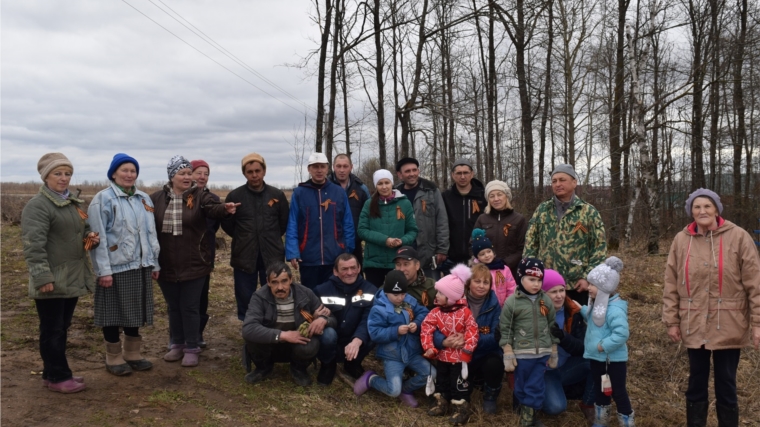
point(396, 220)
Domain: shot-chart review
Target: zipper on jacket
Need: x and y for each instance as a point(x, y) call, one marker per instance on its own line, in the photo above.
point(321, 228)
point(535, 325)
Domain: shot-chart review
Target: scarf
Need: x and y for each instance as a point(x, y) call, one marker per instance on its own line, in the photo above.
point(498, 265)
point(173, 215)
point(475, 304)
point(130, 192)
point(65, 195)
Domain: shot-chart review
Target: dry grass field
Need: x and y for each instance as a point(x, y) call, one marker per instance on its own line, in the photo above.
point(215, 394)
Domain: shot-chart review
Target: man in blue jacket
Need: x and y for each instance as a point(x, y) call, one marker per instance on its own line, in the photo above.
point(320, 226)
point(356, 191)
point(349, 297)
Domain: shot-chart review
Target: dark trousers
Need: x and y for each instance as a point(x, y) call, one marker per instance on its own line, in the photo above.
point(579, 297)
point(449, 382)
point(111, 333)
point(332, 349)
point(264, 356)
point(489, 370)
point(617, 372)
point(314, 275)
point(55, 318)
point(376, 276)
point(203, 307)
point(245, 285)
point(183, 300)
point(529, 381)
point(725, 363)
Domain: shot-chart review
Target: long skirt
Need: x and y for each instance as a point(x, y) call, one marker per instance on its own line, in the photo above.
point(129, 302)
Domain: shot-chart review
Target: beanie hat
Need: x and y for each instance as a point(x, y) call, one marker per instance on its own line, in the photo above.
point(405, 161)
point(395, 282)
point(452, 285)
point(252, 157)
point(462, 162)
point(480, 241)
point(380, 174)
point(552, 279)
point(118, 160)
point(703, 192)
point(50, 161)
point(564, 168)
point(606, 277)
point(530, 267)
point(175, 164)
point(198, 164)
point(501, 186)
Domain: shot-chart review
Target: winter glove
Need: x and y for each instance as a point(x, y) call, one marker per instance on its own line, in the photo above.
point(510, 362)
point(554, 358)
point(557, 331)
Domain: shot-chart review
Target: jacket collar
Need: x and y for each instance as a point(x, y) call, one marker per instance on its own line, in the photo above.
point(694, 231)
point(56, 199)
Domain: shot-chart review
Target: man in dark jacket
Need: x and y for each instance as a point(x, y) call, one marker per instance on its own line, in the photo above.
point(256, 230)
point(280, 326)
point(464, 201)
point(349, 297)
point(356, 191)
point(422, 288)
point(429, 212)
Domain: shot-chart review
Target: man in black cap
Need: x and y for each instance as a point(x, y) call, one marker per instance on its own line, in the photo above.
point(464, 202)
point(429, 212)
point(420, 287)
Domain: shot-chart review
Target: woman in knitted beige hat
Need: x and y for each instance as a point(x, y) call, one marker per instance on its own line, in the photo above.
point(56, 238)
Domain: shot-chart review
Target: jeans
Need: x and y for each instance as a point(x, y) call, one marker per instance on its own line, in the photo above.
point(314, 275)
point(449, 382)
point(55, 318)
point(725, 363)
point(617, 372)
point(183, 300)
point(264, 356)
point(332, 350)
point(529, 381)
point(575, 370)
point(245, 286)
point(394, 371)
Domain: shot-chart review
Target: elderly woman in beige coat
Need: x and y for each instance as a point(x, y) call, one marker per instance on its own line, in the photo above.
point(712, 303)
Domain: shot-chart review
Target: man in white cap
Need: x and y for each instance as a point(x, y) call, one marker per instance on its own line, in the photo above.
point(567, 234)
point(320, 225)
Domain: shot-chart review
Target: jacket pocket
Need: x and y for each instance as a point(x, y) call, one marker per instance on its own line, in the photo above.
point(122, 251)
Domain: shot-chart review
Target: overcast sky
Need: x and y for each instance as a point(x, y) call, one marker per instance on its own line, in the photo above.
point(91, 78)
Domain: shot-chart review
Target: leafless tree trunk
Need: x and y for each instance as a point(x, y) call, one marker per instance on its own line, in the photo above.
point(321, 74)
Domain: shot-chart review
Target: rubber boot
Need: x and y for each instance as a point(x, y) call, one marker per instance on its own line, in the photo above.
point(696, 414)
point(490, 396)
point(461, 413)
point(626, 420)
point(588, 412)
point(131, 354)
point(440, 407)
point(114, 361)
point(191, 357)
point(175, 353)
point(529, 417)
point(601, 416)
point(727, 416)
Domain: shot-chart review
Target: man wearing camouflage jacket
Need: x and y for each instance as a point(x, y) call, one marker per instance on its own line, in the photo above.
point(567, 234)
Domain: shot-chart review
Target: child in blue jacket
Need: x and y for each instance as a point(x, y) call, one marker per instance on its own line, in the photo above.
point(394, 326)
point(605, 343)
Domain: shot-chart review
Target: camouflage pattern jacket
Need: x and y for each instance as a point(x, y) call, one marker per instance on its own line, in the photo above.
point(573, 246)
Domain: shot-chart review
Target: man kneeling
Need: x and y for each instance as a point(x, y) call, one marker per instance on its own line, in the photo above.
point(280, 325)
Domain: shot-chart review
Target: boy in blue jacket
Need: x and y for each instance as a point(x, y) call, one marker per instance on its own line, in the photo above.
point(394, 325)
point(605, 342)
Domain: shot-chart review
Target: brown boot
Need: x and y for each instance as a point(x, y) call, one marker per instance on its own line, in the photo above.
point(131, 354)
point(440, 407)
point(461, 412)
point(114, 362)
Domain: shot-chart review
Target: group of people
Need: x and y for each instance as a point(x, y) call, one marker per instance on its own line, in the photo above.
point(450, 289)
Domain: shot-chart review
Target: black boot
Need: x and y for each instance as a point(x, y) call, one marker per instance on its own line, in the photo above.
point(696, 414)
point(728, 416)
point(461, 412)
point(529, 417)
point(326, 373)
point(490, 396)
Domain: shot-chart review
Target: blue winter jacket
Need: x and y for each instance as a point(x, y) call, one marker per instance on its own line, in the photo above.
point(350, 304)
point(488, 323)
point(613, 335)
point(320, 225)
point(383, 326)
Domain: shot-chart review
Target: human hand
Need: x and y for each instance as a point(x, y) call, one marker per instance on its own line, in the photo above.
point(600, 348)
point(154, 275)
point(231, 207)
point(756, 337)
point(322, 311)
point(105, 281)
point(294, 263)
point(581, 285)
point(352, 349)
point(674, 332)
point(293, 337)
point(440, 258)
point(412, 327)
point(455, 340)
point(403, 329)
point(317, 327)
point(389, 242)
point(429, 354)
point(94, 237)
point(556, 331)
point(48, 287)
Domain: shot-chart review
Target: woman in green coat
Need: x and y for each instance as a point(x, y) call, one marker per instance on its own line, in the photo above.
point(385, 224)
point(56, 238)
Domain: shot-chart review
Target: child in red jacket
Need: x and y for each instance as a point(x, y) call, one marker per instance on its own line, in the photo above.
point(451, 316)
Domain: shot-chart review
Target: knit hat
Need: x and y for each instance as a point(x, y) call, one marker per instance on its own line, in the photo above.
point(395, 282)
point(462, 162)
point(175, 164)
point(552, 279)
point(564, 168)
point(530, 267)
point(118, 160)
point(380, 174)
point(318, 158)
point(50, 161)
point(480, 241)
point(501, 186)
point(405, 161)
point(406, 252)
point(199, 163)
point(452, 285)
point(606, 278)
point(703, 192)
point(252, 157)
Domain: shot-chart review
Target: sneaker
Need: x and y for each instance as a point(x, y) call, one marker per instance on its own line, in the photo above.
point(362, 384)
point(408, 400)
point(326, 373)
point(46, 383)
point(300, 376)
point(258, 375)
point(68, 386)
